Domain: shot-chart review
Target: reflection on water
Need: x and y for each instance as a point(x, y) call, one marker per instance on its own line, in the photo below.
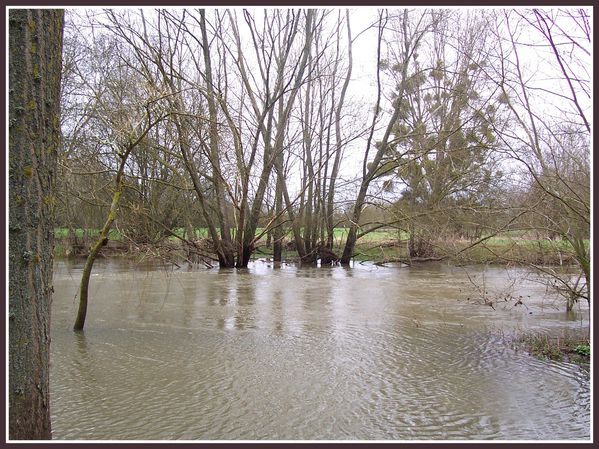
point(364, 353)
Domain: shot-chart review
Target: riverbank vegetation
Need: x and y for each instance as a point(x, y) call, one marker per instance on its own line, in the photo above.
point(215, 137)
point(380, 247)
point(568, 346)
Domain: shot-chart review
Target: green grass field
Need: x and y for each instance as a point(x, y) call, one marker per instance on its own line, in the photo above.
point(383, 245)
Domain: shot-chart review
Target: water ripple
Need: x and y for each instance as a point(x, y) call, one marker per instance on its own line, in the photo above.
point(222, 358)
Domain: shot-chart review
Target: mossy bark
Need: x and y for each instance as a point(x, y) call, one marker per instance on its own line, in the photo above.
point(93, 254)
point(35, 63)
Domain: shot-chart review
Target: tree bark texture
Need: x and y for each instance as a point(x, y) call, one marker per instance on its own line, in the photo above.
point(35, 62)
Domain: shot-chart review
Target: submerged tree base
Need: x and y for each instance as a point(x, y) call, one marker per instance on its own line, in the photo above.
point(377, 250)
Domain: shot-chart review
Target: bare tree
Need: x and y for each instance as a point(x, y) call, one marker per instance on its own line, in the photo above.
point(549, 135)
point(323, 137)
point(280, 93)
point(224, 134)
point(411, 32)
point(124, 113)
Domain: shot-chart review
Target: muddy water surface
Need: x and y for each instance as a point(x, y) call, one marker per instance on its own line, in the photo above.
point(290, 353)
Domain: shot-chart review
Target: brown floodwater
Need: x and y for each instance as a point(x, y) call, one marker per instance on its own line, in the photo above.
point(302, 353)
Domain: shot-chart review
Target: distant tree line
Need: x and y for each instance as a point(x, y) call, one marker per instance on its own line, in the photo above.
point(234, 120)
point(245, 122)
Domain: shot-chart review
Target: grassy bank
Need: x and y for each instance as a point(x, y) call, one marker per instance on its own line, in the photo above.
point(568, 346)
point(459, 252)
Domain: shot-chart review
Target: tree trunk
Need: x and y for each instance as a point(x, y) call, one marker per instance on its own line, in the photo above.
point(91, 258)
point(350, 243)
point(370, 173)
point(338, 143)
point(277, 232)
point(35, 45)
point(221, 207)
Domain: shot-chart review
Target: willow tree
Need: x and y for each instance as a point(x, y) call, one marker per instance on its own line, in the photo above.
point(222, 98)
point(324, 134)
point(35, 47)
point(278, 56)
